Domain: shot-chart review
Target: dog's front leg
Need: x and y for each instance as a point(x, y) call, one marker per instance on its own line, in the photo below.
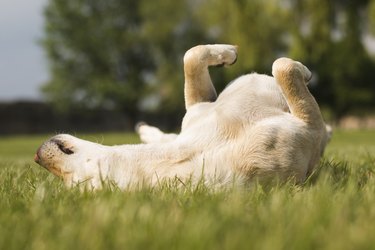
point(198, 84)
point(151, 134)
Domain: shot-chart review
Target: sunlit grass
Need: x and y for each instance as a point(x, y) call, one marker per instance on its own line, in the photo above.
point(334, 209)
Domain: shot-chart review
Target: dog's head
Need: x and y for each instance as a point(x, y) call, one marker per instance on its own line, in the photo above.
point(73, 159)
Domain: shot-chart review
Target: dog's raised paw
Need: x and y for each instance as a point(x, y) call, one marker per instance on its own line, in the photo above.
point(288, 65)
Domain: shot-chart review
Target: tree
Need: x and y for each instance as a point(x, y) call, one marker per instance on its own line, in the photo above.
point(327, 36)
point(98, 55)
point(127, 55)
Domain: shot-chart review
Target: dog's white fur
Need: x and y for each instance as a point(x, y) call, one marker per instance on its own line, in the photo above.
point(260, 127)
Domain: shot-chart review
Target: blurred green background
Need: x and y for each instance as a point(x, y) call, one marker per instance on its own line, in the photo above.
point(113, 63)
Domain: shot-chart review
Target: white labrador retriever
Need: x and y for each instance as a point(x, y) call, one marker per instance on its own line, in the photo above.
point(259, 128)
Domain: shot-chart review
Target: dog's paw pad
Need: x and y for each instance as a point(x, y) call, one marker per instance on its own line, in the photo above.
point(222, 54)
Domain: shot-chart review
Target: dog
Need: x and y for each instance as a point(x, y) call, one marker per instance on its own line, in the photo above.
point(259, 129)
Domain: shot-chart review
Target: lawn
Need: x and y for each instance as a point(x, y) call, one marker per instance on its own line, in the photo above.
point(334, 209)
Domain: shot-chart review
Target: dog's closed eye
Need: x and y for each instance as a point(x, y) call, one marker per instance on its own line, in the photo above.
point(63, 148)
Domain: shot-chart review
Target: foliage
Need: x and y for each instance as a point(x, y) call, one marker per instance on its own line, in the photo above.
point(98, 54)
point(334, 209)
point(127, 55)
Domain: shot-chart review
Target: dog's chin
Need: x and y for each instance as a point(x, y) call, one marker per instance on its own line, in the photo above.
point(57, 171)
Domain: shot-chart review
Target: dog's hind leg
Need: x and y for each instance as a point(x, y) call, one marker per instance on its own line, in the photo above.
point(198, 84)
point(292, 77)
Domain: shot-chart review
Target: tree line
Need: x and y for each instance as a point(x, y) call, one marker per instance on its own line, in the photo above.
point(126, 56)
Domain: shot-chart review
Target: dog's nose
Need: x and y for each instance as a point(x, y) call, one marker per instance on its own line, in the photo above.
point(37, 155)
point(36, 158)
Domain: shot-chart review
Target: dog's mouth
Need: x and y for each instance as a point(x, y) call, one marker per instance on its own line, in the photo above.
point(50, 167)
point(39, 160)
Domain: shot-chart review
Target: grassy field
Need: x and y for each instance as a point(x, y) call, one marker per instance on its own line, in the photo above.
point(334, 209)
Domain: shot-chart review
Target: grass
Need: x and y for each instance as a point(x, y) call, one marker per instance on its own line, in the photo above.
point(334, 209)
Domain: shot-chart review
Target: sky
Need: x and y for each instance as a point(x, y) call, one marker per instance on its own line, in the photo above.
point(23, 67)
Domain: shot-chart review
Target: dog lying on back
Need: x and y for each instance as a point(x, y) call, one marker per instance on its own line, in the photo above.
point(259, 128)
